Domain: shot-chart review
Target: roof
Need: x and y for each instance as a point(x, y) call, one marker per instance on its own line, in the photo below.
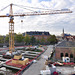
point(66, 44)
point(37, 33)
point(67, 34)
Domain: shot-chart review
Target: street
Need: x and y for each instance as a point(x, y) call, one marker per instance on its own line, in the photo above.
point(35, 68)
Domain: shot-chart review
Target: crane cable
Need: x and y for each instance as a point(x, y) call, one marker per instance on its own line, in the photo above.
point(32, 7)
point(4, 8)
point(24, 7)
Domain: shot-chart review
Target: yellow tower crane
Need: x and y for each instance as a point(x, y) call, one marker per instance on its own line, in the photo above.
point(11, 31)
point(11, 22)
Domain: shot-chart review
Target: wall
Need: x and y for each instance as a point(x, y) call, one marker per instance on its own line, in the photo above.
point(59, 50)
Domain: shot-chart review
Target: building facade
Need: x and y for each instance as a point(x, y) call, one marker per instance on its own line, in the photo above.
point(65, 49)
point(37, 34)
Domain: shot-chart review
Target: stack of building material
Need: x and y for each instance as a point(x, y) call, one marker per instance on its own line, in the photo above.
point(18, 60)
point(17, 56)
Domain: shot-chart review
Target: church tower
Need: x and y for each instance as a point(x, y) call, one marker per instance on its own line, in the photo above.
point(63, 34)
point(63, 30)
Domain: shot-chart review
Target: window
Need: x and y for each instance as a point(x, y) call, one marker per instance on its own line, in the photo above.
point(61, 55)
point(66, 55)
point(71, 55)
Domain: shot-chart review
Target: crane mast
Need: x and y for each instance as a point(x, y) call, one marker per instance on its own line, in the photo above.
point(11, 31)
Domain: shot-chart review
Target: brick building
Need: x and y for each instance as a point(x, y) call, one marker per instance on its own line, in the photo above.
point(65, 49)
point(37, 34)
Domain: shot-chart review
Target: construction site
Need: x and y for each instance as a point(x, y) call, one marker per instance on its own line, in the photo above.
point(20, 58)
point(19, 62)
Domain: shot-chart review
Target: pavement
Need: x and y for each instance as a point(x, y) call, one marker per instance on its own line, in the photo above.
point(35, 68)
point(66, 70)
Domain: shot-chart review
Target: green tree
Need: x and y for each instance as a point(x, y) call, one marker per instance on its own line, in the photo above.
point(1, 39)
point(32, 40)
point(7, 39)
point(52, 39)
point(42, 40)
point(48, 40)
point(19, 38)
point(37, 41)
point(27, 39)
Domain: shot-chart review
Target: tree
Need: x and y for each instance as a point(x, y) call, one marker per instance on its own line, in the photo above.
point(27, 39)
point(52, 39)
point(49, 39)
point(7, 39)
point(32, 40)
point(42, 40)
point(38, 41)
point(19, 38)
point(1, 39)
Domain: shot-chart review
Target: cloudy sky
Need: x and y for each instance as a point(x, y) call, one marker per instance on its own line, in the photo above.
point(53, 23)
